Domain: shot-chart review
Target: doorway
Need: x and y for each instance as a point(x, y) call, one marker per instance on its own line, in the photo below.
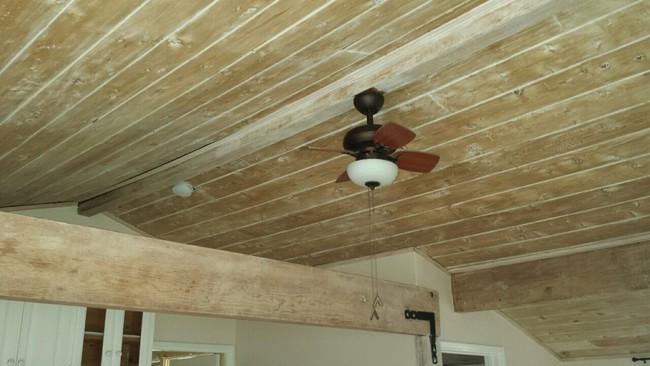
point(465, 354)
point(191, 354)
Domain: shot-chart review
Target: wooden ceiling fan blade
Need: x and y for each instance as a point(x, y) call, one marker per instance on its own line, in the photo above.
point(343, 177)
point(393, 136)
point(415, 161)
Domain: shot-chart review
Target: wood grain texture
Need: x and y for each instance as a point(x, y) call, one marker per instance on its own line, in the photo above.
point(598, 272)
point(493, 22)
point(538, 111)
point(596, 325)
point(63, 263)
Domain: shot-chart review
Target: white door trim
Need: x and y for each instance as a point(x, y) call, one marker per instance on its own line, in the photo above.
point(228, 351)
point(494, 356)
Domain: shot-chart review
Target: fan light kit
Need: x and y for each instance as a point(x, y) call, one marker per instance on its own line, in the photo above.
point(369, 172)
point(183, 189)
point(374, 147)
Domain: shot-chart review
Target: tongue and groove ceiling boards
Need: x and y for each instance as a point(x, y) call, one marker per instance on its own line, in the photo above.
point(538, 110)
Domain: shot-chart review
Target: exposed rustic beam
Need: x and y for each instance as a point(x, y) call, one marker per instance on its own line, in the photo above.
point(456, 39)
point(63, 263)
point(606, 271)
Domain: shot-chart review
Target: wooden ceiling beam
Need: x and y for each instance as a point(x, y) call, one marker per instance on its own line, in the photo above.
point(610, 271)
point(55, 262)
point(456, 39)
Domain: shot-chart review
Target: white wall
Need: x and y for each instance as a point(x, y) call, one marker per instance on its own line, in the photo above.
point(263, 343)
point(606, 362)
point(194, 329)
point(69, 215)
point(275, 344)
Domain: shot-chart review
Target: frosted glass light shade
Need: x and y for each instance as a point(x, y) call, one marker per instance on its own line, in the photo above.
point(361, 172)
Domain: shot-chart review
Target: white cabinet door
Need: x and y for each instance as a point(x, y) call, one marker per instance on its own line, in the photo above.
point(113, 339)
point(51, 335)
point(48, 334)
point(112, 347)
point(11, 314)
point(146, 339)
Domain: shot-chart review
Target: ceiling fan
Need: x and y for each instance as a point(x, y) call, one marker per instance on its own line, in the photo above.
point(375, 147)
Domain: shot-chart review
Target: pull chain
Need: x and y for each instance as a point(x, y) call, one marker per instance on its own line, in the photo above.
point(371, 241)
point(373, 256)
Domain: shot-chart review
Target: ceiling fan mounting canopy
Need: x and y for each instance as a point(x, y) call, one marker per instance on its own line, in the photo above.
point(369, 102)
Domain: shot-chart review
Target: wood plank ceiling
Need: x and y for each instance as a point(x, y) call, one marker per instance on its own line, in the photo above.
point(538, 109)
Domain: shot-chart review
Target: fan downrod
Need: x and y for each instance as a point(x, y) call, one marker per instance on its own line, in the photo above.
point(360, 138)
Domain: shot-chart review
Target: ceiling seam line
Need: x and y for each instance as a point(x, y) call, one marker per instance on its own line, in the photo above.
point(535, 46)
point(537, 222)
point(517, 226)
point(493, 194)
point(529, 185)
point(155, 82)
point(601, 244)
point(68, 67)
point(479, 250)
point(506, 170)
point(501, 95)
point(506, 210)
point(391, 60)
point(547, 76)
point(460, 220)
point(213, 119)
point(33, 40)
point(540, 44)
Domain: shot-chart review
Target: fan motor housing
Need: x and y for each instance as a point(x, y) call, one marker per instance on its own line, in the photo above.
point(360, 138)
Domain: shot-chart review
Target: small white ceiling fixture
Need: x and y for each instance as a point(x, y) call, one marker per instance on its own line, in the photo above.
point(183, 189)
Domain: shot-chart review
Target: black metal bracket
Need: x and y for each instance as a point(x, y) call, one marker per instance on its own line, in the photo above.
point(644, 359)
point(431, 317)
